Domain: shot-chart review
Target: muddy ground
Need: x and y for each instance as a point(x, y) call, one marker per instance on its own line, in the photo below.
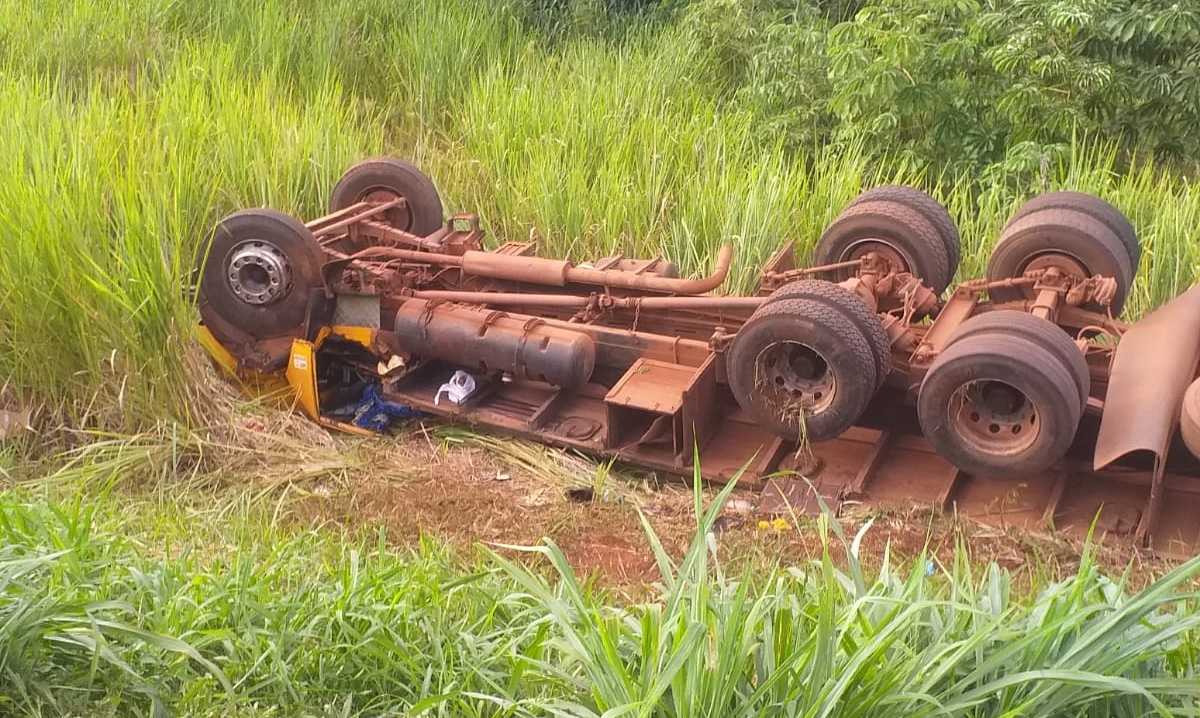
point(495, 491)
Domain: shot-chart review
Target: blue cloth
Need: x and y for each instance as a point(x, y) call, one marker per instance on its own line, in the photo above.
point(376, 413)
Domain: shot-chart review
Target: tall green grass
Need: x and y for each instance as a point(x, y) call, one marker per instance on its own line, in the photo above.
point(105, 196)
point(113, 607)
point(827, 641)
point(103, 615)
point(130, 130)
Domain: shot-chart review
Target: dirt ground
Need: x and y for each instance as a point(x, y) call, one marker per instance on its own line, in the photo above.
point(498, 492)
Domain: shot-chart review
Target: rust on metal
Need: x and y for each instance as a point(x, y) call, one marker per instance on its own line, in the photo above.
point(1153, 365)
point(621, 357)
point(499, 299)
point(518, 346)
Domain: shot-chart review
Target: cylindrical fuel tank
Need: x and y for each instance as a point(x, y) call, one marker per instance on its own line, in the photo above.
point(490, 340)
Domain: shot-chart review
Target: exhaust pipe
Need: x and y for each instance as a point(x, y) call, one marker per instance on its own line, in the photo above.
point(557, 272)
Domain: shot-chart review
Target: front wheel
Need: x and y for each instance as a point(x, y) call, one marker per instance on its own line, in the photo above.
point(256, 272)
point(381, 179)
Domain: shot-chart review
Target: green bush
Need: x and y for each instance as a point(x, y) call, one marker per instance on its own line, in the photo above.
point(962, 85)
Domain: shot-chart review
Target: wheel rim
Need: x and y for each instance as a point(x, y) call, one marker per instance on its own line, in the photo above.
point(399, 217)
point(258, 272)
point(885, 251)
point(794, 378)
point(994, 418)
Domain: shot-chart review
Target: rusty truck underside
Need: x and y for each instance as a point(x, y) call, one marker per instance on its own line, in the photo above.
point(1018, 398)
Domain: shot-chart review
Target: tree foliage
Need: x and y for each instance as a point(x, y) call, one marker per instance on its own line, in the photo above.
point(963, 84)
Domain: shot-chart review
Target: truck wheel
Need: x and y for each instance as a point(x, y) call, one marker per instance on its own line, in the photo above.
point(381, 179)
point(998, 405)
point(854, 307)
point(899, 233)
point(1189, 418)
point(256, 272)
point(928, 207)
point(1092, 206)
point(1068, 239)
point(802, 369)
point(1040, 331)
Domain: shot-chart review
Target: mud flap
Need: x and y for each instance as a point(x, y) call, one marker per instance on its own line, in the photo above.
point(1154, 363)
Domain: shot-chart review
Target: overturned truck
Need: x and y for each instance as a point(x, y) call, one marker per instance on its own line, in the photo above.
point(1019, 398)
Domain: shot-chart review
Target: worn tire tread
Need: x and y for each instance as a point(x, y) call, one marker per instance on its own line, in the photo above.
point(855, 308)
point(897, 223)
point(929, 208)
point(741, 367)
point(1028, 362)
point(1092, 206)
point(1037, 330)
point(1072, 231)
point(400, 176)
point(216, 302)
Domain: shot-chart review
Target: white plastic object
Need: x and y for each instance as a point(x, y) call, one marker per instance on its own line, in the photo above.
point(460, 386)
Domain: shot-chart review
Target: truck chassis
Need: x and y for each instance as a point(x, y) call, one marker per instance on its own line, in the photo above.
point(1017, 398)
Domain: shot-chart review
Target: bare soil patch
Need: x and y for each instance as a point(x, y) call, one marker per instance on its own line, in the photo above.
point(412, 486)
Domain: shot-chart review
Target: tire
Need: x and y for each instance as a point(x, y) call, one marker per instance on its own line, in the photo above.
point(1068, 232)
point(1041, 332)
point(767, 358)
point(256, 272)
point(929, 208)
point(424, 214)
point(854, 308)
point(896, 227)
point(1025, 437)
point(1092, 206)
point(1189, 418)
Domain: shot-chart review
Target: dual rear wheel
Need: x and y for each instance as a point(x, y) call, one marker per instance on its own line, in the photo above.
point(1006, 395)
point(901, 225)
point(809, 361)
point(1004, 399)
point(1075, 233)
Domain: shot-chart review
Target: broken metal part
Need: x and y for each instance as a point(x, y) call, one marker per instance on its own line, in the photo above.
point(1153, 365)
